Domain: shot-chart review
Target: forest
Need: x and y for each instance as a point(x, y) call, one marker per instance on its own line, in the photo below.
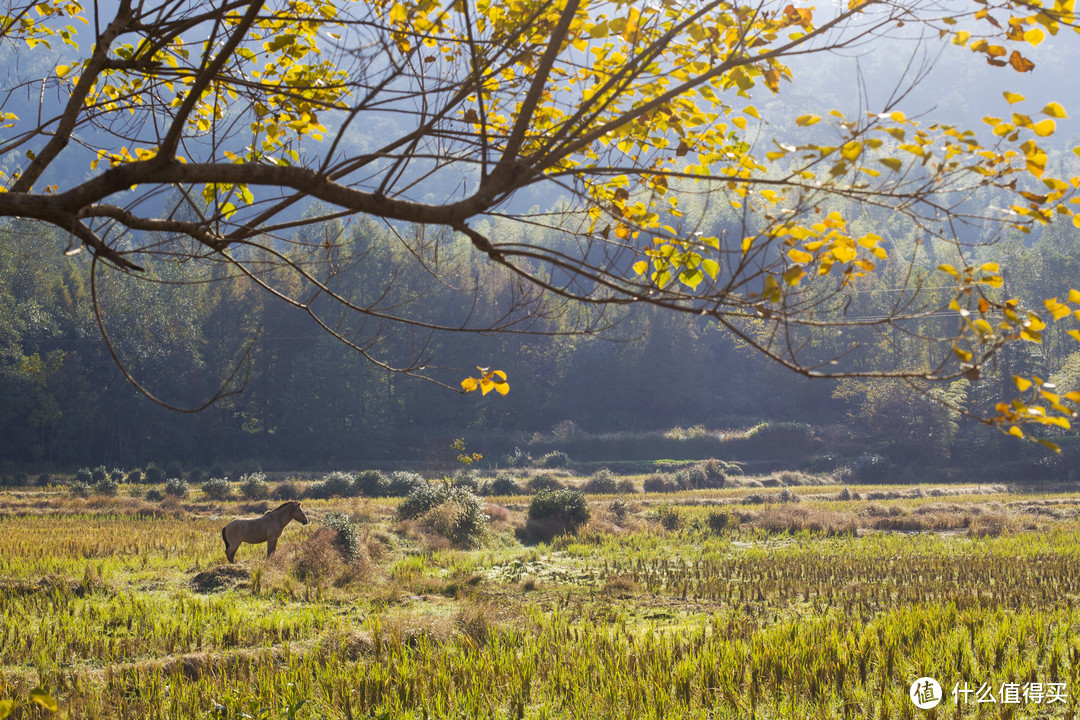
point(304, 400)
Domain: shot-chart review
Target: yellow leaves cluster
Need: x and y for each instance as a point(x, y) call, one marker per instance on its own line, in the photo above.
point(489, 380)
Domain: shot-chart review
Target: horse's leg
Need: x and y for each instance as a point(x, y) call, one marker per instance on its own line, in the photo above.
point(271, 545)
point(230, 554)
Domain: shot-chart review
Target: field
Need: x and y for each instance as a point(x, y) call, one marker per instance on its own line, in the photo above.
point(729, 603)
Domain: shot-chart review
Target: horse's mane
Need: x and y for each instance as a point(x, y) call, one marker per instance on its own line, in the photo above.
point(287, 502)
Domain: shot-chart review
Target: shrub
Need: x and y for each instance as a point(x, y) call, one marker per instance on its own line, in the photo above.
point(84, 476)
point(254, 486)
point(402, 483)
point(217, 488)
point(98, 474)
point(544, 482)
point(371, 483)
point(347, 539)
point(452, 512)
point(285, 490)
point(659, 483)
point(668, 517)
point(117, 474)
point(519, 458)
point(466, 480)
point(690, 478)
point(174, 469)
point(715, 473)
point(154, 495)
point(787, 496)
point(135, 477)
point(153, 474)
point(106, 486)
point(558, 511)
point(335, 484)
point(195, 477)
point(720, 521)
point(504, 484)
point(554, 459)
point(602, 481)
point(43, 479)
point(626, 486)
point(618, 509)
point(176, 487)
point(81, 489)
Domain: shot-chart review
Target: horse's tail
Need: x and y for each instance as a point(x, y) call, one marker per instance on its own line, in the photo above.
point(225, 539)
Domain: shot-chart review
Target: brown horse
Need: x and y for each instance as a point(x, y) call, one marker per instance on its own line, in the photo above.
point(265, 529)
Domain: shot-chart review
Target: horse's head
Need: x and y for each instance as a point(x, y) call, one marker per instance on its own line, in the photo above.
point(298, 513)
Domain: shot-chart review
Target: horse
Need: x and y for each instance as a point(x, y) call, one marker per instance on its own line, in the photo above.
point(265, 529)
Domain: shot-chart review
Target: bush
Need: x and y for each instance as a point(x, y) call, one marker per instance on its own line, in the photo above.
point(626, 486)
point(106, 486)
point(715, 473)
point(98, 474)
point(43, 479)
point(217, 488)
point(174, 469)
point(154, 495)
point(787, 496)
point(618, 509)
point(659, 483)
point(668, 517)
point(720, 521)
point(519, 458)
point(371, 483)
point(84, 476)
point(504, 484)
point(467, 480)
point(562, 510)
point(135, 477)
point(285, 490)
point(602, 481)
point(554, 459)
point(452, 512)
point(117, 475)
point(402, 483)
point(544, 482)
point(81, 489)
point(153, 474)
point(254, 486)
point(347, 539)
point(335, 484)
point(195, 477)
point(176, 487)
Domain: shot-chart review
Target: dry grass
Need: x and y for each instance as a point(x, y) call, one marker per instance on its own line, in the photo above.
point(789, 519)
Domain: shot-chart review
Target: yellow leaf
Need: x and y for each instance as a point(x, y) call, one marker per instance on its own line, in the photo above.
point(641, 266)
point(1013, 98)
point(62, 70)
point(807, 120)
point(1054, 110)
point(1058, 310)
point(893, 164)
point(1021, 383)
point(469, 384)
point(1044, 128)
point(1074, 296)
point(799, 256)
point(398, 13)
point(1016, 431)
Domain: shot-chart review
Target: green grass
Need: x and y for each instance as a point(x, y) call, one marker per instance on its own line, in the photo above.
point(99, 604)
